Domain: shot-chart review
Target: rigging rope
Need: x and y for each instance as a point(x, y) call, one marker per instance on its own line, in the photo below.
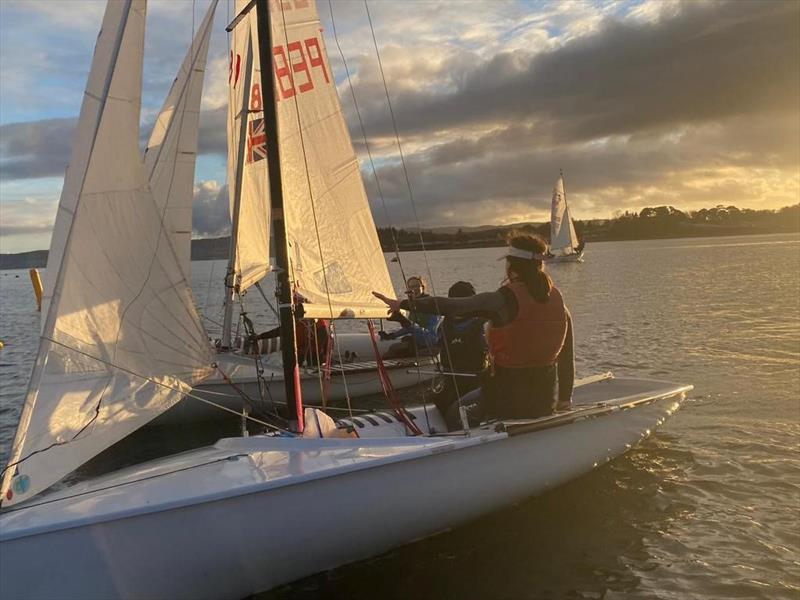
point(410, 192)
point(366, 144)
point(144, 378)
point(375, 176)
point(388, 388)
point(311, 201)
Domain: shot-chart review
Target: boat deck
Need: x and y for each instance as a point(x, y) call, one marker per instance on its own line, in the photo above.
point(239, 466)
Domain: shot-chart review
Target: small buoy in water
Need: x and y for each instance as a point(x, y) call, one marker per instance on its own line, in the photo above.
point(38, 289)
point(2, 345)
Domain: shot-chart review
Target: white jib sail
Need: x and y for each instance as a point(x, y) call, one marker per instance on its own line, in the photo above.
point(562, 231)
point(247, 156)
point(122, 340)
point(335, 256)
point(172, 149)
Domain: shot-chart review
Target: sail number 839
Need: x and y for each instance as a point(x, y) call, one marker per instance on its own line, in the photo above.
point(293, 65)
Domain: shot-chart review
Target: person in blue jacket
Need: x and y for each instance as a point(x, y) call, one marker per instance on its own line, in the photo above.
point(419, 332)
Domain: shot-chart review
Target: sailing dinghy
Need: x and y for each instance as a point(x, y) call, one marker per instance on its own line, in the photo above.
point(243, 515)
point(564, 244)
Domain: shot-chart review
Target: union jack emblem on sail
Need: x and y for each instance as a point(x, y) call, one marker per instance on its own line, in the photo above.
point(256, 141)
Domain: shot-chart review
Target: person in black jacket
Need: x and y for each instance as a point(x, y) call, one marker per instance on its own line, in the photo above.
point(463, 352)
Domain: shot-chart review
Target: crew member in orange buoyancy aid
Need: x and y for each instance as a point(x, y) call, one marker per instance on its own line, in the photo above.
point(530, 336)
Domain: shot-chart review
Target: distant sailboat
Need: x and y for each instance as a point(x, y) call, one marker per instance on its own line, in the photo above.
point(564, 243)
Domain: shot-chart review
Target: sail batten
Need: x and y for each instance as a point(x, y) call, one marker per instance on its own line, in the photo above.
point(121, 319)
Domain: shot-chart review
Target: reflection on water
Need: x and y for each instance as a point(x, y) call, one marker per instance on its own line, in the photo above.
point(706, 509)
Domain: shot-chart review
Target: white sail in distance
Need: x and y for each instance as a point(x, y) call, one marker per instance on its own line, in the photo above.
point(247, 156)
point(171, 152)
point(563, 238)
point(122, 340)
point(335, 257)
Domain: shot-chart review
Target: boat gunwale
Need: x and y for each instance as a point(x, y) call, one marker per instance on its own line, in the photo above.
point(336, 371)
point(429, 445)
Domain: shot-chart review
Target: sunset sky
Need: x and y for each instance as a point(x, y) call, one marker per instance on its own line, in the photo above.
point(641, 103)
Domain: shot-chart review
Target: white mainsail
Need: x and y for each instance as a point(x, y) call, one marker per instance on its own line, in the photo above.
point(335, 256)
point(122, 340)
point(563, 238)
point(172, 149)
point(247, 158)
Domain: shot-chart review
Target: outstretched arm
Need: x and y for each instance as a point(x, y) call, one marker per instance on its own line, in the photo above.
point(490, 304)
point(566, 369)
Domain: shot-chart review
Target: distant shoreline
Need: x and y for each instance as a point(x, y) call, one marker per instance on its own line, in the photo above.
point(217, 248)
point(498, 243)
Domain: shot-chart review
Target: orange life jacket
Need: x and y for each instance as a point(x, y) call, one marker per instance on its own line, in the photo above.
point(535, 337)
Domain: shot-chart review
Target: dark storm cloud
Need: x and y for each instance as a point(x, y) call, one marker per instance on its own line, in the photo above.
point(212, 136)
point(695, 110)
point(210, 215)
point(483, 179)
point(35, 149)
point(710, 61)
point(42, 148)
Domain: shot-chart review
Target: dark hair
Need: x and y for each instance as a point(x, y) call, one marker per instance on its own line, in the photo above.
point(418, 278)
point(461, 289)
point(530, 272)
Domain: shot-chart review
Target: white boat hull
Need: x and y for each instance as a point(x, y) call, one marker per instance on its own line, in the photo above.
point(244, 516)
point(575, 257)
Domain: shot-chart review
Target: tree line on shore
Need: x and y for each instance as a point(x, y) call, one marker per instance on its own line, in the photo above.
point(648, 223)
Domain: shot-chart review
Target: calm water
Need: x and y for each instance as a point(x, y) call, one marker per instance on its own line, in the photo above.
point(708, 508)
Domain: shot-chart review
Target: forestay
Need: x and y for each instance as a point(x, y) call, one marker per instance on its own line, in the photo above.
point(562, 232)
point(335, 256)
point(119, 295)
point(247, 157)
point(172, 149)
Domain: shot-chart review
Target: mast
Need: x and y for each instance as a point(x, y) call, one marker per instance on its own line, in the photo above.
point(283, 292)
point(231, 277)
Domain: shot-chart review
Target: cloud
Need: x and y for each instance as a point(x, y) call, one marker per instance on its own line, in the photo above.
point(35, 149)
point(507, 174)
point(47, 45)
point(31, 218)
point(641, 103)
point(42, 148)
point(26, 223)
point(212, 137)
point(710, 61)
point(211, 215)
